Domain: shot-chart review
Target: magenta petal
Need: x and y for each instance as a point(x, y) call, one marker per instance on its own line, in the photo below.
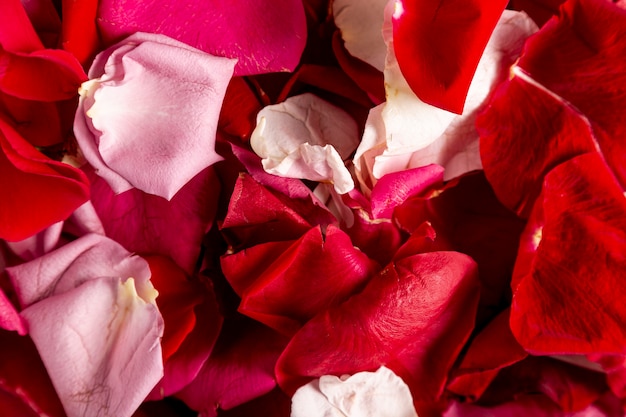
point(393, 189)
point(240, 368)
point(264, 35)
point(91, 313)
point(9, 317)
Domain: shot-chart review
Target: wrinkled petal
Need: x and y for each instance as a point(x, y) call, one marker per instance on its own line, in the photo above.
point(439, 44)
point(133, 94)
point(69, 296)
point(280, 295)
point(426, 299)
point(361, 23)
point(265, 36)
point(306, 137)
point(368, 394)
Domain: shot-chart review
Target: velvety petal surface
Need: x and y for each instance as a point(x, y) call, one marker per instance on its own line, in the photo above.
point(69, 296)
point(412, 317)
point(264, 36)
point(439, 44)
point(164, 89)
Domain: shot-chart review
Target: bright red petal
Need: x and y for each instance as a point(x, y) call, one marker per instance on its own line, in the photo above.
point(79, 34)
point(32, 182)
point(438, 45)
point(16, 32)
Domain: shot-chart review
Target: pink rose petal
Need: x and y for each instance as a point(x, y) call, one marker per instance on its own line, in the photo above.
point(166, 91)
point(91, 313)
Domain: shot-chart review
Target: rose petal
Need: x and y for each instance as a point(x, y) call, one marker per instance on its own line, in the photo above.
point(381, 393)
point(438, 46)
point(69, 296)
point(425, 299)
point(133, 94)
point(16, 31)
point(265, 36)
point(32, 181)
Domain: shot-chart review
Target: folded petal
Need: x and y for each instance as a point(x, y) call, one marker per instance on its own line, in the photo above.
point(265, 36)
point(32, 181)
point(425, 299)
point(70, 296)
point(129, 93)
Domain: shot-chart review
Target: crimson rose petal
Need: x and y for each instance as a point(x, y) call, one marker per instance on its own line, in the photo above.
point(438, 45)
point(265, 36)
point(31, 181)
point(413, 317)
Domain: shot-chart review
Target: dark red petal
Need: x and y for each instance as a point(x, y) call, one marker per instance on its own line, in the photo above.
point(546, 132)
point(147, 223)
point(491, 350)
point(239, 370)
point(239, 109)
point(24, 382)
point(45, 20)
point(538, 10)
point(414, 317)
point(569, 301)
point(583, 62)
point(37, 191)
point(318, 271)
point(438, 45)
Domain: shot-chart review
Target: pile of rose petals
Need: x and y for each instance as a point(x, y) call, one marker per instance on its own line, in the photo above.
point(313, 207)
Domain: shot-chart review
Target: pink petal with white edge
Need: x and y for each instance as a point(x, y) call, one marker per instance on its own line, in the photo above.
point(148, 116)
point(306, 137)
point(361, 25)
point(91, 313)
point(442, 137)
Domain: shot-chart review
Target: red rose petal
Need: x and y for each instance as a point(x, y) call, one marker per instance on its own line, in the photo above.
point(438, 46)
point(79, 34)
point(16, 32)
point(319, 270)
point(413, 317)
point(538, 10)
point(569, 300)
point(30, 182)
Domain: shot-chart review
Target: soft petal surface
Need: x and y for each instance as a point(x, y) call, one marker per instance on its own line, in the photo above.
point(31, 181)
point(306, 137)
point(368, 394)
point(361, 24)
point(319, 270)
point(69, 296)
point(439, 44)
point(265, 36)
point(413, 317)
point(128, 93)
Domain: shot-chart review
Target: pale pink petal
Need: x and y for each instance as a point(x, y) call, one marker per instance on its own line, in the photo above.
point(361, 25)
point(365, 394)
point(91, 312)
point(306, 137)
point(149, 121)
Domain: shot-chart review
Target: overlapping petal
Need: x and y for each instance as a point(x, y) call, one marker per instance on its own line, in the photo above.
point(168, 92)
point(412, 317)
point(69, 297)
point(265, 36)
point(439, 44)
